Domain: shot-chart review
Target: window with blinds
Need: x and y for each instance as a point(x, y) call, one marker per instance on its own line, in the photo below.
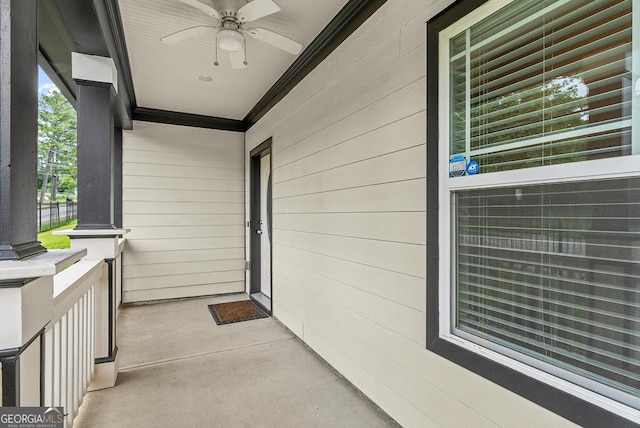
point(545, 271)
point(551, 271)
point(541, 83)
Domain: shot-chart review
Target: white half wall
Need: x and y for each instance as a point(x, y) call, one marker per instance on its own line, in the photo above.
point(183, 199)
point(349, 231)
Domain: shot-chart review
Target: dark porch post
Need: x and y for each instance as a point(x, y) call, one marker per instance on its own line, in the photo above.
point(18, 129)
point(95, 155)
point(18, 188)
point(117, 177)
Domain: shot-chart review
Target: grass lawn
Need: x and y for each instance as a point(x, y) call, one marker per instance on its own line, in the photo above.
point(52, 242)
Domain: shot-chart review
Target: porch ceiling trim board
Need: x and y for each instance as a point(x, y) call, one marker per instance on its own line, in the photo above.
point(352, 15)
point(108, 13)
point(66, 26)
point(45, 63)
point(187, 119)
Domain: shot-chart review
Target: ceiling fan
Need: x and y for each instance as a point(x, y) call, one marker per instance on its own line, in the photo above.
point(230, 17)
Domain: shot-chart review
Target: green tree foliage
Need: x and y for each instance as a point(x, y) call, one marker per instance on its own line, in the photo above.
point(543, 109)
point(57, 149)
point(67, 185)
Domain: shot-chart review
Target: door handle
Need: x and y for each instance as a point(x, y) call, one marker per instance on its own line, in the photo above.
point(259, 231)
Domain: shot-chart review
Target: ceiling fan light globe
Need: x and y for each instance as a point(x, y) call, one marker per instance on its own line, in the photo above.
point(230, 40)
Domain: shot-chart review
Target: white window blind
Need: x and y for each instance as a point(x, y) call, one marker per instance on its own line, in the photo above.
point(551, 271)
point(543, 82)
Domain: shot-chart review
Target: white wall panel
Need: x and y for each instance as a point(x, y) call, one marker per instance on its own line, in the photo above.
point(376, 198)
point(179, 171)
point(393, 256)
point(403, 320)
point(207, 266)
point(183, 199)
point(185, 280)
point(182, 291)
point(170, 195)
point(398, 166)
point(167, 207)
point(188, 219)
point(139, 258)
point(168, 244)
point(396, 287)
point(408, 227)
point(211, 160)
point(173, 183)
point(398, 105)
point(398, 135)
point(189, 231)
point(349, 203)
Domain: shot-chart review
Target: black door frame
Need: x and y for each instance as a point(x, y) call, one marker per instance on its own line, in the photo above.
point(254, 223)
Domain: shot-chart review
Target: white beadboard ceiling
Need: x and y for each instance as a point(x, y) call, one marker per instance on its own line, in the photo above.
point(165, 76)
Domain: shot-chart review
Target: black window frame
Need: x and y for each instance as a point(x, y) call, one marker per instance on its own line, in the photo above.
point(560, 402)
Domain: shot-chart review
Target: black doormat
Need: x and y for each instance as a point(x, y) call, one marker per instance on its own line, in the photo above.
point(244, 310)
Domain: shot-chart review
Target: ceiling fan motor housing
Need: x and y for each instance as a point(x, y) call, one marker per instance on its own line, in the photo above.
point(228, 8)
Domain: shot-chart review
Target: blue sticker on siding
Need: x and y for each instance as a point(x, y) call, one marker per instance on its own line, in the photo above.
point(457, 166)
point(473, 168)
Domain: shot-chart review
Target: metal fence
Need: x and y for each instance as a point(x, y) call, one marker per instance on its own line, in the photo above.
point(55, 214)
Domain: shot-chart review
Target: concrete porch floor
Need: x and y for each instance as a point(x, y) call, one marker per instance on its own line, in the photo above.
point(179, 369)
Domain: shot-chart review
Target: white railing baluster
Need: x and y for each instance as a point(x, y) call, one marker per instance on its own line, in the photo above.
point(64, 359)
point(87, 339)
point(81, 344)
point(72, 379)
point(92, 334)
point(57, 364)
point(48, 369)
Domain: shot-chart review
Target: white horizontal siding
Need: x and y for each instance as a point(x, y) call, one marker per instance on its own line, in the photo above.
point(184, 280)
point(170, 195)
point(407, 290)
point(165, 269)
point(173, 207)
point(193, 289)
point(386, 197)
point(173, 183)
point(349, 226)
point(187, 231)
point(138, 258)
point(405, 227)
point(173, 171)
point(187, 219)
point(313, 156)
point(183, 199)
point(395, 167)
point(393, 256)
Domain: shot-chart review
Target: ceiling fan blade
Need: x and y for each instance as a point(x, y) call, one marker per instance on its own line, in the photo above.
point(275, 39)
point(203, 7)
point(237, 59)
point(257, 9)
point(181, 35)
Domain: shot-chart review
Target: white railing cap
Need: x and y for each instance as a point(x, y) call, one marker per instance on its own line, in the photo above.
point(103, 233)
point(45, 264)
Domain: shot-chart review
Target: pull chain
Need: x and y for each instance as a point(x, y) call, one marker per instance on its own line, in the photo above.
point(245, 52)
point(216, 63)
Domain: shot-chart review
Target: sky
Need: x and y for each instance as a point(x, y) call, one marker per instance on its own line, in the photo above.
point(44, 83)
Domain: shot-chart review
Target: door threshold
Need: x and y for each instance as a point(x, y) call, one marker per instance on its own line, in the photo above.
point(262, 300)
